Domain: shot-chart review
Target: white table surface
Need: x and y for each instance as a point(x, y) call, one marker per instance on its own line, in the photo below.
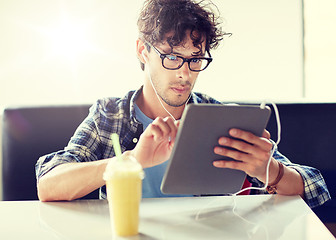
point(247, 217)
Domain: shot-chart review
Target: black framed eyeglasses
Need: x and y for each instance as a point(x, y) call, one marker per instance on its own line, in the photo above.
point(172, 62)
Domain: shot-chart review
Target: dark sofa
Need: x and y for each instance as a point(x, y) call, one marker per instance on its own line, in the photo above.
point(27, 134)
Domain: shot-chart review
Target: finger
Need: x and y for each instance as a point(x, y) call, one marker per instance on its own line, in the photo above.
point(261, 142)
point(163, 126)
point(240, 146)
point(177, 123)
point(171, 123)
point(231, 153)
point(266, 134)
point(250, 169)
point(173, 128)
point(154, 131)
point(229, 164)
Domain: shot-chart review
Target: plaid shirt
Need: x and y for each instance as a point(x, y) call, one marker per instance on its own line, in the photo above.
point(92, 141)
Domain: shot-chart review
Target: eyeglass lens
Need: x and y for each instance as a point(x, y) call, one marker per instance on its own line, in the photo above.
point(175, 62)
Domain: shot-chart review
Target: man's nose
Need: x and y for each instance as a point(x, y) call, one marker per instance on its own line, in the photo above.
point(184, 71)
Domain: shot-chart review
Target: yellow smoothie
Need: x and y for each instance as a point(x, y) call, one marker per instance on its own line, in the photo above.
point(124, 187)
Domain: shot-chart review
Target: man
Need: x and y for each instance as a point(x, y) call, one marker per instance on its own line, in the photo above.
point(175, 39)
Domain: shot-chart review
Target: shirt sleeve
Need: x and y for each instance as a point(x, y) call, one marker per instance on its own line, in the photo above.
point(83, 147)
point(315, 189)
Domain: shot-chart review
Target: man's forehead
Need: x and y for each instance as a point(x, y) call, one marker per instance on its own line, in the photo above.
point(186, 45)
point(183, 50)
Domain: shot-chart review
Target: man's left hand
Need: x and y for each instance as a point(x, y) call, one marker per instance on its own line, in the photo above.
point(251, 154)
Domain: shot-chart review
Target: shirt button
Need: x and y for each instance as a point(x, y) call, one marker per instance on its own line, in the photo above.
point(135, 140)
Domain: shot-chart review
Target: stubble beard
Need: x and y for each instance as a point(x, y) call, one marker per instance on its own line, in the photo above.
point(164, 96)
point(172, 104)
point(177, 103)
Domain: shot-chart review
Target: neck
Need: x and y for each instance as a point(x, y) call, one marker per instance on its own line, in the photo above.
point(150, 105)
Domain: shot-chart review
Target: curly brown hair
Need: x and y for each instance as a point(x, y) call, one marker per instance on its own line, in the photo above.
point(159, 17)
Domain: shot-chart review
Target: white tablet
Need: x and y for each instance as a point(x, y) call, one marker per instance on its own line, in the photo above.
point(190, 169)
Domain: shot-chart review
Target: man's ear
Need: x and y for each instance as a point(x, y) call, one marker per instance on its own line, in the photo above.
point(141, 51)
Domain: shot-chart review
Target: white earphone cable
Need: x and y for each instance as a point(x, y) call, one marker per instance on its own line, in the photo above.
point(274, 147)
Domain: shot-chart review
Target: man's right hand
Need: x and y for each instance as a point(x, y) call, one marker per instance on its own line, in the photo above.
point(156, 142)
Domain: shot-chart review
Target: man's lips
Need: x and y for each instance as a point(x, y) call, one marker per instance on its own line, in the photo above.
point(180, 90)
